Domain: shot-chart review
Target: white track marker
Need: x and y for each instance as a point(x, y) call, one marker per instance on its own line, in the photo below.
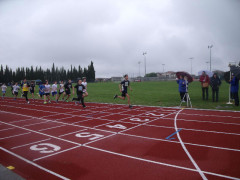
point(34, 164)
point(185, 149)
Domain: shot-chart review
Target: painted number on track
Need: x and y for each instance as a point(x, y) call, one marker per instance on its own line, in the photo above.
point(139, 120)
point(117, 126)
point(45, 148)
point(91, 136)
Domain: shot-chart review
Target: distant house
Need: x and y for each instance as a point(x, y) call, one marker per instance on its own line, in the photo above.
point(168, 74)
point(114, 79)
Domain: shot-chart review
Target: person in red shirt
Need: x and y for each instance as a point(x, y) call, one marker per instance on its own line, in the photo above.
point(205, 81)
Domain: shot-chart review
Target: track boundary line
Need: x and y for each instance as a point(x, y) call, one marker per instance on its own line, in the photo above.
point(185, 149)
point(15, 147)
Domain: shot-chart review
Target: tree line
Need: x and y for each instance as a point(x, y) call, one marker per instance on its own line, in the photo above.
point(53, 74)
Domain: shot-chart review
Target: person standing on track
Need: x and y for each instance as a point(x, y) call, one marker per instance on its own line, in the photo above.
point(25, 88)
point(47, 90)
point(54, 90)
point(80, 90)
point(205, 81)
point(85, 93)
point(68, 87)
point(16, 88)
point(123, 87)
point(32, 88)
point(61, 90)
point(4, 89)
point(234, 81)
point(215, 82)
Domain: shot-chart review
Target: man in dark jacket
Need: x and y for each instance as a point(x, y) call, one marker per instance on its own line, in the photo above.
point(215, 82)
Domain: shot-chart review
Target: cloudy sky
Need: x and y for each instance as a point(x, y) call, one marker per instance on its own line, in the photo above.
point(115, 33)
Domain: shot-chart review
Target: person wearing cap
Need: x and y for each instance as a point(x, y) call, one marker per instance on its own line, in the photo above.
point(215, 82)
point(205, 81)
point(234, 81)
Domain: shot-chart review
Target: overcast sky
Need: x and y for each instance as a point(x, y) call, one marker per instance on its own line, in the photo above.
point(115, 33)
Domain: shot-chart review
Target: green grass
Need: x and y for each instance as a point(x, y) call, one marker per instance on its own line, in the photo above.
point(164, 93)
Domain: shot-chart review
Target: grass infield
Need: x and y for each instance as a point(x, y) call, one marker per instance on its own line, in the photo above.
point(164, 93)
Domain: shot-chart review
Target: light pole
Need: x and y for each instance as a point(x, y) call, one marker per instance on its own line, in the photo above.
point(139, 62)
point(207, 63)
point(144, 54)
point(210, 47)
point(163, 67)
point(191, 58)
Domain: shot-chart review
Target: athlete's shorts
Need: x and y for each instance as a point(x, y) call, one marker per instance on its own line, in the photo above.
point(15, 93)
point(47, 94)
point(54, 93)
point(3, 92)
point(41, 93)
point(32, 91)
point(59, 92)
point(124, 94)
point(68, 92)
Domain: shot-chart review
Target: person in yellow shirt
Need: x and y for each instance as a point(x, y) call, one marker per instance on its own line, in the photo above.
point(25, 88)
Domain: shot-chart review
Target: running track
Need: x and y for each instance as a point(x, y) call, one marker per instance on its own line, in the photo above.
point(106, 141)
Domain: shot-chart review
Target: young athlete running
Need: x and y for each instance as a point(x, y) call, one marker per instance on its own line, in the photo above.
point(4, 89)
point(47, 92)
point(123, 87)
point(25, 88)
point(54, 90)
point(32, 88)
point(80, 89)
point(41, 90)
point(68, 87)
point(61, 90)
point(16, 88)
point(85, 93)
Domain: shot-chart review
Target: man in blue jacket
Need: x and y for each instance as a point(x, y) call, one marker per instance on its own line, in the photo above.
point(182, 87)
point(234, 81)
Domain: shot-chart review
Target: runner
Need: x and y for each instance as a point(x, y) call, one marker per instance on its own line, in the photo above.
point(25, 88)
point(85, 93)
point(41, 88)
point(54, 90)
point(32, 88)
point(123, 87)
point(4, 89)
point(47, 92)
point(80, 89)
point(68, 87)
point(61, 91)
point(16, 88)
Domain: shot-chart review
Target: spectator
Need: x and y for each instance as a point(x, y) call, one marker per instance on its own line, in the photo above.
point(234, 81)
point(205, 81)
point(215, 82)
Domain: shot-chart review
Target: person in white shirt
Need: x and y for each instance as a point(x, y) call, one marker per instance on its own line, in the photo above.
point(4, 89)
point(47, 92)
point(54, 89)
point(16, 88)
point(61, 90)
point(85, 93)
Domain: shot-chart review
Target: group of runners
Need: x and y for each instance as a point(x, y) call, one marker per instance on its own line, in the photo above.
point(63, 91)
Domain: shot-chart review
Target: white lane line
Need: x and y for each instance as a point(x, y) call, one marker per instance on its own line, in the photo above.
point(200, 130)
point(57, 153)
point(30, 143)
point(6, 129)
point(14, 135)
point(159, 163)
point(73, 132)
point(185, 149)
point(52, 128)
point(34, 164)
point(201, 145)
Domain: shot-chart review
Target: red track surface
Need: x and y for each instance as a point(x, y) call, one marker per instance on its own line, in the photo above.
point(105, 141)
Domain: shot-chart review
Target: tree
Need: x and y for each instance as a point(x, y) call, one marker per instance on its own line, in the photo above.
point(151, 74)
